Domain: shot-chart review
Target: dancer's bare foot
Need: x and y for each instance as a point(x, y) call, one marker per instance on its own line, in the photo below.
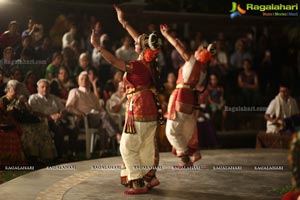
point(133, 191)
point(196, 156)
point(184, 165)
point(124, 181)
point(153, 183)
point(185, 162)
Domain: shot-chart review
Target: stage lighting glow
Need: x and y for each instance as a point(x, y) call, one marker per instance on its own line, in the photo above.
point(3, 1)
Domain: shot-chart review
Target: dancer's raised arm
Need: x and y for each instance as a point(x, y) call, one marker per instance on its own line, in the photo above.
point(164, 29)
point(132, 32)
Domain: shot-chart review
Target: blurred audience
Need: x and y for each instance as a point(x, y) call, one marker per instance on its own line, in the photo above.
point(248, 83)
point(116, 105)
point(17, 74)
point(96, 85)
point(30, 82)
point(83, 64)
point(53, 67)
point(7, 62)
point(45, 51)
point(69, 36)
point(220, 63)
point(126, 52)
point(48, 106)
point(36, 31)
point(216, 102)
point(206, 133)
point(170, 85)
point(61, 85)
point(11, 37)
point(239, 55)
point(83, 102)
point(36, 139)
point(3, 81)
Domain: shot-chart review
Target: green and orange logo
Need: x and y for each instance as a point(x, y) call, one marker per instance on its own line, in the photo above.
point(236, 10)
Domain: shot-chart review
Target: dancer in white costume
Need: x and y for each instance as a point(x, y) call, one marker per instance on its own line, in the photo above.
point(181, 113)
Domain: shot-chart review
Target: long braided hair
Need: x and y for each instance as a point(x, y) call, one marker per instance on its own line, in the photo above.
point(151, 46)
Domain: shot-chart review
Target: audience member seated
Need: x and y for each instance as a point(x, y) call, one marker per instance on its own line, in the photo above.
point(126, 51)
point(111, 85)
point(49, 106)
point(96, 85)
point(69, 37)
point(109, 89)
point(27, 63)
point(61, 85)
point(220, 63)
point(69, 62)
point(248, 83)
point(36, 139)
point(206, 133)
point(7, 62)
point(83, 102)
point(44, 52)
point(11, 37)
point(238, 57)
point(30, 28)
point(17, 74)
point(83, 64)
point(282, 114)
point(170, 85)
point(216, 102)
point(53, 67)
point(30, 82)
point(105, 69)
point(36, 31)
point(267, 73)
point(76, 49)
point(26, 43)
point(3, 81)
point(11, 150)
point(116, 105)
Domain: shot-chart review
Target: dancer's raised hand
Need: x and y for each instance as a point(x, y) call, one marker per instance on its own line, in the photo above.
point(94, 39)
point(164, 29)
point(120, 14)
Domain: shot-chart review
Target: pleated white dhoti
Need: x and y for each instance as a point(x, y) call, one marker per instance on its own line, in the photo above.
point(180, 131)
point(138, 150)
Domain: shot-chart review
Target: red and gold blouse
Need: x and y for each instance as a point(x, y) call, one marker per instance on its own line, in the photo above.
point(182, 98)
point(141, 105)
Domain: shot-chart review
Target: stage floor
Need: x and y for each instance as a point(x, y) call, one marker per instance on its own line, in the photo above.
point(240, 174)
